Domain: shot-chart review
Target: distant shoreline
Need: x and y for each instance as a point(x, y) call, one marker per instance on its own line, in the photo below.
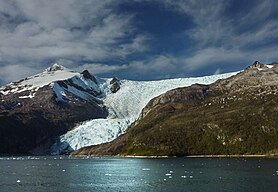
point(189, 156)
point(232, 156)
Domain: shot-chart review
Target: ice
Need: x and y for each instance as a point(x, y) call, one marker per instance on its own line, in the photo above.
point(124, 107)
point(146, 169)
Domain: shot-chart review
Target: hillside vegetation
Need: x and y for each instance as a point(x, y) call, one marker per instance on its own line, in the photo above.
point(234, 116)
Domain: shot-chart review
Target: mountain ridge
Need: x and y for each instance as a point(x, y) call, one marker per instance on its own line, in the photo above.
point(43, 106)
point(232, 116)
point(92, 110)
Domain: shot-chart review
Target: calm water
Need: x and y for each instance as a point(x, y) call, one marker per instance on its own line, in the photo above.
point(127, 174)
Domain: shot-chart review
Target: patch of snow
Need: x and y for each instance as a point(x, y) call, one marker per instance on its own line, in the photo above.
point(81, 94)
point(86, 83)
point(59, 92)
point(124, 107)
point(269, 66)
point(78, 86)
point(26, 96)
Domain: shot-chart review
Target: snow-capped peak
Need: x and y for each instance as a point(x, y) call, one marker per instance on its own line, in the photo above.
point(52, 74)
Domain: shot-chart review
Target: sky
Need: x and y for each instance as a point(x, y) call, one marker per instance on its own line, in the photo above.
point(136, 39)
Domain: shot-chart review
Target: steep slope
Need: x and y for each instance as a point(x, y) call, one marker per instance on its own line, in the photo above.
point(237, 115)
point(124, 107)
point(48, 104)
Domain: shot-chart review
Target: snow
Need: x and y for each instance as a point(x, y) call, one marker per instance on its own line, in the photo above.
point(40, 80)
point(124, 108)
point(269, 66)
point(83, 90)
point(26, 96)
point(50, 77)
point(59, 91)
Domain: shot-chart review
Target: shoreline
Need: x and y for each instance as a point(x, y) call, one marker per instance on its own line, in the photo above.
point(271, 156)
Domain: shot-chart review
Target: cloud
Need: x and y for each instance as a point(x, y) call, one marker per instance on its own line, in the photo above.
point(98, 68)
point(217, 71)
point(157, 67)
point(100, 36)
point(11, 72)
point(224, 39)
point(212, 56)
point(35, 33)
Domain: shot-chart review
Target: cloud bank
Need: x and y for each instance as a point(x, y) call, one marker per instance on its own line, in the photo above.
point(112, 38)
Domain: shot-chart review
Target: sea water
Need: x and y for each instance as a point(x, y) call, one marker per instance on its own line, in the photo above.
point(60, 173)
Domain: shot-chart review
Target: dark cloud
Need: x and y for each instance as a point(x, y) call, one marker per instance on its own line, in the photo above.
point(113, 39)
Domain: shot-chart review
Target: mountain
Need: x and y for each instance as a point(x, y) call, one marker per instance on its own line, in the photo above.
point(232, 116)
point(60, 110)
point(124, 107)
point(46, 105)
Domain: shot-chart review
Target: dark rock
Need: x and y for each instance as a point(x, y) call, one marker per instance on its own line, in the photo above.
point(55, 67)
point(87, 75)
point(256, 64)
point(114, 80)
point(115, 85)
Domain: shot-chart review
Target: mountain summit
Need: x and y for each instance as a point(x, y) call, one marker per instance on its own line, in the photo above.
point(46, 105)
point(55, 67)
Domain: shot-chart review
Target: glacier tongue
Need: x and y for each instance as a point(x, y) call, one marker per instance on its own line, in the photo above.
point(124, 107)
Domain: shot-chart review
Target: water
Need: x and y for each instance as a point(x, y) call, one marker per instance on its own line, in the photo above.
point(128, 174)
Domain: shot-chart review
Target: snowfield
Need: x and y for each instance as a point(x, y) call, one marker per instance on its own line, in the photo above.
point(35, 82)
point(124, 108)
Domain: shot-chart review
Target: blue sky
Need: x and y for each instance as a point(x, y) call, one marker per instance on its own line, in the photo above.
point(136, 39)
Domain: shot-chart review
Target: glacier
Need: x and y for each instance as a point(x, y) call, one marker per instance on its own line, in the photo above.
point(124, 108)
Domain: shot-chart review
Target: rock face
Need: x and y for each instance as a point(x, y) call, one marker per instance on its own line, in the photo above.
point(237, 115)
point(115, 85)
point(87, 75)
point(46, 105)
point(257, 65)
